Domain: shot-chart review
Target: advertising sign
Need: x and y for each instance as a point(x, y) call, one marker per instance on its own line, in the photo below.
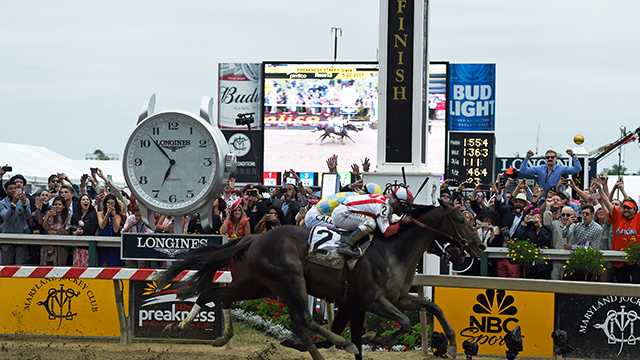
point(471, 156)
point(503, 163)
point(239, 95)
point(248, 148)
point(154, 309)
point(308, 178)
point(472, 97)
point(271, 178)
point(486, 315)
point(163, 247)
point(60, 307)
point(600, 327)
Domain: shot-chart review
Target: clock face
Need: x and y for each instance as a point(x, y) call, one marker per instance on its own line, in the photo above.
point(170, 161)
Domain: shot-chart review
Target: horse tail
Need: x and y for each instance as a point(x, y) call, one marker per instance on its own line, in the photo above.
point(207, 261)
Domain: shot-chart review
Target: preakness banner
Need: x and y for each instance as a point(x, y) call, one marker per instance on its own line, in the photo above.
point(60, 307)
point(486, 316)
point(156, 308)
point(163, 247)
point(600, 327)
point(239, 95)
point(472, 105)
point(248, 146)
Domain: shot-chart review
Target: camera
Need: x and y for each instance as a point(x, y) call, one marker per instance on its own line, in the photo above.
point(7, 168)
point(245, 119)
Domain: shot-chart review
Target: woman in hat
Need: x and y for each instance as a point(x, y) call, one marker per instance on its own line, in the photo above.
point(236, 225)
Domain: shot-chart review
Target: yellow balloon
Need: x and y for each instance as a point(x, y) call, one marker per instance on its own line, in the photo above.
point(578, 139)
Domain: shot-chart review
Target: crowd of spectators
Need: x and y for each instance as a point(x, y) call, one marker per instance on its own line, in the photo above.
point(539, 204)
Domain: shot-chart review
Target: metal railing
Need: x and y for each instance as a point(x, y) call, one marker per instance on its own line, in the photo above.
point(554, 255)
point(90, 242)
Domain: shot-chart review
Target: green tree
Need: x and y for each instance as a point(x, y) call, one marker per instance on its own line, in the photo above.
point(100, 155)
point(615, 170)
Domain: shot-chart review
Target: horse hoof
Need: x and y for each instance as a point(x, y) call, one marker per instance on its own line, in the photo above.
point(351, 349)
point(452, 352)
point(324, 344)
point(293, 344)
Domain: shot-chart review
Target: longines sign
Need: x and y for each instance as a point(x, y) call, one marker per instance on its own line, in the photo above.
point(163, 247)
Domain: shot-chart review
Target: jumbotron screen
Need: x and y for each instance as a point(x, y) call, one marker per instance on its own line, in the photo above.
point(314, 110)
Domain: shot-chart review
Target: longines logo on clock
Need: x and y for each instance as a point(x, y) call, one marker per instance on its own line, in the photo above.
point(174, 145)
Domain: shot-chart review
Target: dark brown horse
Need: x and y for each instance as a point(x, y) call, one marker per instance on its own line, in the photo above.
point(273, 264)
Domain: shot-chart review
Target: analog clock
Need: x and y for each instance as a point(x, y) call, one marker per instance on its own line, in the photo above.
point(174, 162)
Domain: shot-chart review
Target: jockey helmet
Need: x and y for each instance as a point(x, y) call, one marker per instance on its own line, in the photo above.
point(373, 188)
point(401, 194)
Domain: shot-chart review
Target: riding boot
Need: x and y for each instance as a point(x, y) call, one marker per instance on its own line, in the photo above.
point(348, 243)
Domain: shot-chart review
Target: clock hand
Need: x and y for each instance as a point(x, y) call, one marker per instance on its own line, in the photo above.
point(161, 149)
point(166, 174)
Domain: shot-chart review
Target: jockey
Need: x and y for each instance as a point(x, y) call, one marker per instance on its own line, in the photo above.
point(320, 214)
point(361, 213)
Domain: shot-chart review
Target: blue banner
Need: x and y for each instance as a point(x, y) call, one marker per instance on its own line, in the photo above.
point(472, 105)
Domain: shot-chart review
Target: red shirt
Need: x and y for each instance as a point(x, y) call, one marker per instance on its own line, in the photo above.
point(625, 231)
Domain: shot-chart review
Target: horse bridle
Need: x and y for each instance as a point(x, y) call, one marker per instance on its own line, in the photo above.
point(459, 240)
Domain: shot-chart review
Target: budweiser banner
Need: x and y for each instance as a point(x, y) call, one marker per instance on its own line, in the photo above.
point(239, 96)
point(155, 308)
point(163, 247)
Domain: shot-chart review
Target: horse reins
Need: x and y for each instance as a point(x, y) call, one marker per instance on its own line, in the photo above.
point(460, 240)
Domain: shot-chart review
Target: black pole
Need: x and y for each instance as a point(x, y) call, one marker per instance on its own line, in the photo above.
point(335, 31)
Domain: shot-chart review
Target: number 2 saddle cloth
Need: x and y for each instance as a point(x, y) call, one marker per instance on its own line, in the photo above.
point(323, 243)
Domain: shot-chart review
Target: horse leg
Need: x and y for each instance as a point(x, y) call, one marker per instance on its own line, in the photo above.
point(357, 329)
point(414, 303)
point(294, 297)
point(340, 321)
point(349, 137)
point(386, 309)
point(297, 298)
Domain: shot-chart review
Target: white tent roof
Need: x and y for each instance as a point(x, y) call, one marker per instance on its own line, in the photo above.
point(36, 163)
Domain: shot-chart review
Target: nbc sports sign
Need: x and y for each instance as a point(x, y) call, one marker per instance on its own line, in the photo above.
point(472, 105)
point(486, 315)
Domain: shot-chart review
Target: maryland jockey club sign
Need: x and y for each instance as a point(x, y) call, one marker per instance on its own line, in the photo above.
point(601, 326)
point(60, 307)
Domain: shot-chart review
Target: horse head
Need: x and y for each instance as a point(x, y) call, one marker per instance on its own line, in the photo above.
point(454, 236)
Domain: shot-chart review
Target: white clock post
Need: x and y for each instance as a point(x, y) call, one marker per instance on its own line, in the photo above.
point(402, 101)
point(175, 163)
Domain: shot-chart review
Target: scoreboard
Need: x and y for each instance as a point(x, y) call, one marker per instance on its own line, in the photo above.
point(471, 155)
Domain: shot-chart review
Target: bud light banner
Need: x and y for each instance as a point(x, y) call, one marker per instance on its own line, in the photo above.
point(600, 327)
point(239, 96)
point(163, 247)
point(472, 105)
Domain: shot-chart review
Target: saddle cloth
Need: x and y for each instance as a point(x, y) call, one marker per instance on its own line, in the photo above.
point(323, 242)
point(323, 238)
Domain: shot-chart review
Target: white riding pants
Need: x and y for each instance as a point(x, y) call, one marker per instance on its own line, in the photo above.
point(348, 220)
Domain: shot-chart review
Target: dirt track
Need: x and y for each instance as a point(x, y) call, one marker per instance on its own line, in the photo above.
point(246, 345)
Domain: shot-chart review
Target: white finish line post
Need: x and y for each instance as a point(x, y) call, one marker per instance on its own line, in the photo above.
point(402, 107)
